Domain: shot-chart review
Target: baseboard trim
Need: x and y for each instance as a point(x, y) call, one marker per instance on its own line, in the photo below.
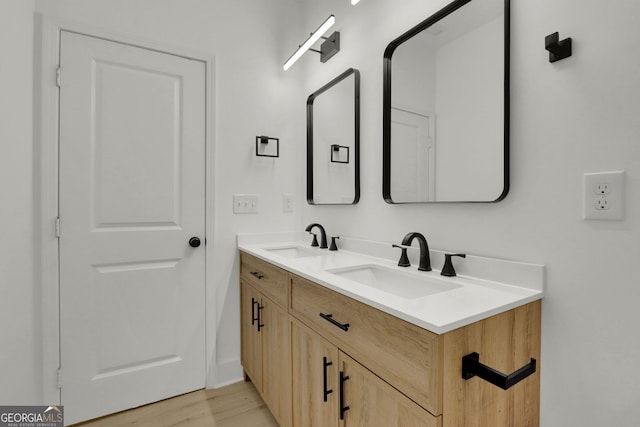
point(228, 373)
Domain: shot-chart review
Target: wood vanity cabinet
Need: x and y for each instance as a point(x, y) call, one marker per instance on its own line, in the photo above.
point(389, 372)
point(265, 338)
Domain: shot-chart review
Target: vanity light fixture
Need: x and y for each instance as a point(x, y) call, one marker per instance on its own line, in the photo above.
point(354, 1)
point(329, 47)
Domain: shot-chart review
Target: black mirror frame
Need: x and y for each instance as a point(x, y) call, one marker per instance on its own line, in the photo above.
point(356, 145)
point(386, 99)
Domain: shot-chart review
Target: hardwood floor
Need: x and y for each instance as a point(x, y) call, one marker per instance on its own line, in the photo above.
point(237, 405)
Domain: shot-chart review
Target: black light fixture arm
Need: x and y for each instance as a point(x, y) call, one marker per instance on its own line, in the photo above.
point(471, 367)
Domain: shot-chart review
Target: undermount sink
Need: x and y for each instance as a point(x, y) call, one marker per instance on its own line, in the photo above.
point(295, 251)
point(403, 284)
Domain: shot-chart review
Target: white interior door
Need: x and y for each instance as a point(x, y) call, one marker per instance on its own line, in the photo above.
point(413, 160)
point(132, 194)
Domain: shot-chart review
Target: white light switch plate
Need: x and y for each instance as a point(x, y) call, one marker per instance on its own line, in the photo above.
point(604, 196)
point(245, 203)
point(288, 203)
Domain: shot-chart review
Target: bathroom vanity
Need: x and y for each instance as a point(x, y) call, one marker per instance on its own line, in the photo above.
point(322, 352)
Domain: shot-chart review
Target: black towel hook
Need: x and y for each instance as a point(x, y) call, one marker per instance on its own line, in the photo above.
point(558, 49)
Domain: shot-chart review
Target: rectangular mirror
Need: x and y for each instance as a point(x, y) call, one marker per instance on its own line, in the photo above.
point(333, 141)
point(446, 107)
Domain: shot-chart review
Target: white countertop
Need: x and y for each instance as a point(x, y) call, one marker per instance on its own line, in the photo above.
point(475, 297)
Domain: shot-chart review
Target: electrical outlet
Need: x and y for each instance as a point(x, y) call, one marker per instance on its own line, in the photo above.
point(245, 203)
point(288, 203)
point(602, 203)
point(604, 195)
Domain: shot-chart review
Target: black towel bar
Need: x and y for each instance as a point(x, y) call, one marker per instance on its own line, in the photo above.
point(471, 367)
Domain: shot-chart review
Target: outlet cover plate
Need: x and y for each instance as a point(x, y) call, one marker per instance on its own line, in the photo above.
point(603, 196)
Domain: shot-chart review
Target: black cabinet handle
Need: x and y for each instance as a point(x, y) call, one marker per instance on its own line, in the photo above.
point(260, 325)
point(253, 311)
point(325, 364)
point(257, 275)
point(329, 317)
point(471, 367)
point(343, 408)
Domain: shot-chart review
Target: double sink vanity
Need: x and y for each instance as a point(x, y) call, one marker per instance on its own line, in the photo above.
point(347, 337)
point(371, 334)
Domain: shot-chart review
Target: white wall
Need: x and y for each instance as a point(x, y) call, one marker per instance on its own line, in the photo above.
point(19, 306)
point(578, 115)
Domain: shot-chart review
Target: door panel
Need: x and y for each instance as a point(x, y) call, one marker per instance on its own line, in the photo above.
point(372, 402)
point(251, 339)
point(276, 361)
point(314, 378)
point(118, 153)
point(414, 171)
point(132, 143)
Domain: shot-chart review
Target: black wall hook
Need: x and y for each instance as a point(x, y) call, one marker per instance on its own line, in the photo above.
point(558, 49)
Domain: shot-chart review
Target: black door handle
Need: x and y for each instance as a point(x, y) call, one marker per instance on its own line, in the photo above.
point(259, 319)
point(253, 311)
point(325, 364)
point(194, 242)
point(343, 408)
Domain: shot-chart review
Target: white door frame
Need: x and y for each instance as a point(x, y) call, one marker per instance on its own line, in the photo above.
point(46, 120)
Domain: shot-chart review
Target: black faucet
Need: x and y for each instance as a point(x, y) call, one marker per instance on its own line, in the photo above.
point(425, 261)
point(323, 235)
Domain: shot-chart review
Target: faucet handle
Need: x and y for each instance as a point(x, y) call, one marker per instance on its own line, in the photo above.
point(333, 246)
point(314, 243)
point(404, 259)
point(447, 268)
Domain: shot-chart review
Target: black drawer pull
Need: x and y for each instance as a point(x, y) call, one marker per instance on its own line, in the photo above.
point(471, 367)
point(325, 364)
point(329, 317)
point(257, 275)
point(343, 408)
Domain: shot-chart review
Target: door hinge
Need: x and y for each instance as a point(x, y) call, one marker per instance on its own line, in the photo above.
point(59, 377)
point(58, 76)
point(58, 227)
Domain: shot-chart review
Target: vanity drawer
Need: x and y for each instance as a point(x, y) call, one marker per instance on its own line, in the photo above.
point(404, 355)
point(265, 277)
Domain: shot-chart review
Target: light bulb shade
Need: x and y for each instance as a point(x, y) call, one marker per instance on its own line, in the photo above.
point(314, 37)
point(354, 1)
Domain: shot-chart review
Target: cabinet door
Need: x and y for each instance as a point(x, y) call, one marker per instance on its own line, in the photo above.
point(368, 401)
point(251, 339)
point(276, 360)
point(315, 378)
